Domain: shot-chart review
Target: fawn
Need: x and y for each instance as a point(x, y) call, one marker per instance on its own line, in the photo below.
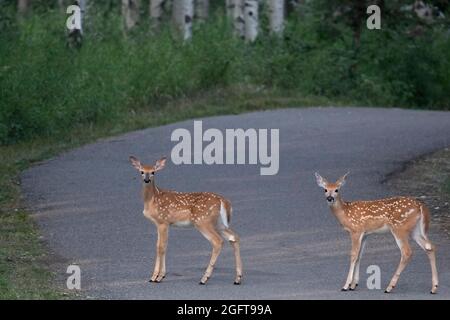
point(402, 216)
point(208, 212)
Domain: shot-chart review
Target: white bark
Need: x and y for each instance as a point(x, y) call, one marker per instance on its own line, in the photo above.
point(201, 9)
point(156, 12)
point(276, 15)
point(130, 13)
point(22, 6)
point(75, 36)
point(237, 7)
point(229, 4)
point(251, 8)
point(183, 12)
point(82, 5)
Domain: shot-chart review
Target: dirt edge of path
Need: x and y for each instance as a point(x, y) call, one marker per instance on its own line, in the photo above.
point(428, 179)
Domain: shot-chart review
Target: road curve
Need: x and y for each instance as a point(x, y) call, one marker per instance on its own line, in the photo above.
point(88, 206)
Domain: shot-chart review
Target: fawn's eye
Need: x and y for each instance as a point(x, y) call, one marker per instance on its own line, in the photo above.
point(336, 190)
point(326, 190)
point(142, 172)
point(153, 172)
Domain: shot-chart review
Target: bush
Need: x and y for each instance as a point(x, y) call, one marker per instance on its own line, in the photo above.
point(47, 88)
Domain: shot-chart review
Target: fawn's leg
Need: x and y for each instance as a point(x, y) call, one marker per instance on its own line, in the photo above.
point(355, 281)
point(403, 243)
point(160, 247)
point(162, 252)
point(210, 233)
point(356, 247)
point(234, 240)
point(430, 250)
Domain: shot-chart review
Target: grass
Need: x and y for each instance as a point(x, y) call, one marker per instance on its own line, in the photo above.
point(428, 179)
point(48, 88)
point(446, 187)
point(24, 261)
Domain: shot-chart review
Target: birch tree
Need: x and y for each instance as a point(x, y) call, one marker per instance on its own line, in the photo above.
point(229, 5)
point(201, 9)
point(23, 7)
point(182, 13)
point(237, 8)
point(75, 35)
point(130, 13)
point(276, 16)
point(157, 10)
point(251, 23)
point(61, 5)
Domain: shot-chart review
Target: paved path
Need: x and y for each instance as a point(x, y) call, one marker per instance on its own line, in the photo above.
point(87, 203)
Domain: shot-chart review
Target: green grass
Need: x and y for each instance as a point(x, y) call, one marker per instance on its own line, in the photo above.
point(47, 88)
point(23, 274)
point(446, 187)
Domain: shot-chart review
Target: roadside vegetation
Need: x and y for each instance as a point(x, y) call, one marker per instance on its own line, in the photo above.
point(428, 179)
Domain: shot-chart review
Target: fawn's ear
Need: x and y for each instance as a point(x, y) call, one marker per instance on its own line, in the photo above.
point(321, 182)
point(135, 162)
point(341, 180)
point(160, 164)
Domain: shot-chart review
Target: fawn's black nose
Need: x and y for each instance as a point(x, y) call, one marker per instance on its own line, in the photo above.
point(330, 199)
point(146, 180)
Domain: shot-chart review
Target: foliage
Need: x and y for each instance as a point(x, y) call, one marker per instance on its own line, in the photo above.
point(48, 88)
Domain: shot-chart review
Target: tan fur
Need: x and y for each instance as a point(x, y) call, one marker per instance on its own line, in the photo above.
point(402, 216)
point(199, 209)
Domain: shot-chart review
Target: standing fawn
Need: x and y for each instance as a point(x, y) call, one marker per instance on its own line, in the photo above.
point(209, 213)
point(401, 216)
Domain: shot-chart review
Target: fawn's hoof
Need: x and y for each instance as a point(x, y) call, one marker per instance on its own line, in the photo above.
point(389, 289)
point(344, 289)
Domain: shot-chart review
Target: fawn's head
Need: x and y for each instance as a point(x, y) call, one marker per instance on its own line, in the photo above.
point(147, 171)
point(331, 189)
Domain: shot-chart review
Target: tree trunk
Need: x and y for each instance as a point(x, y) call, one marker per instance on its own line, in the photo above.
point(156, 12)
point(130, 13)
point(76, 35)
point(237, 7)
point(229, 5)
point(182, 13)
point(358, 18)
point(276, 16)
point(23, 7)
point(201, 9)
point(82, 5)
point(251, 19)
point(61, 6)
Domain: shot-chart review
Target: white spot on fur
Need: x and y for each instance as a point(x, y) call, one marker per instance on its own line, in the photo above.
point(223, 215)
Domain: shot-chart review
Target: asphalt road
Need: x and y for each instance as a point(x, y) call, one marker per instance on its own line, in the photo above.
point(87, 203)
